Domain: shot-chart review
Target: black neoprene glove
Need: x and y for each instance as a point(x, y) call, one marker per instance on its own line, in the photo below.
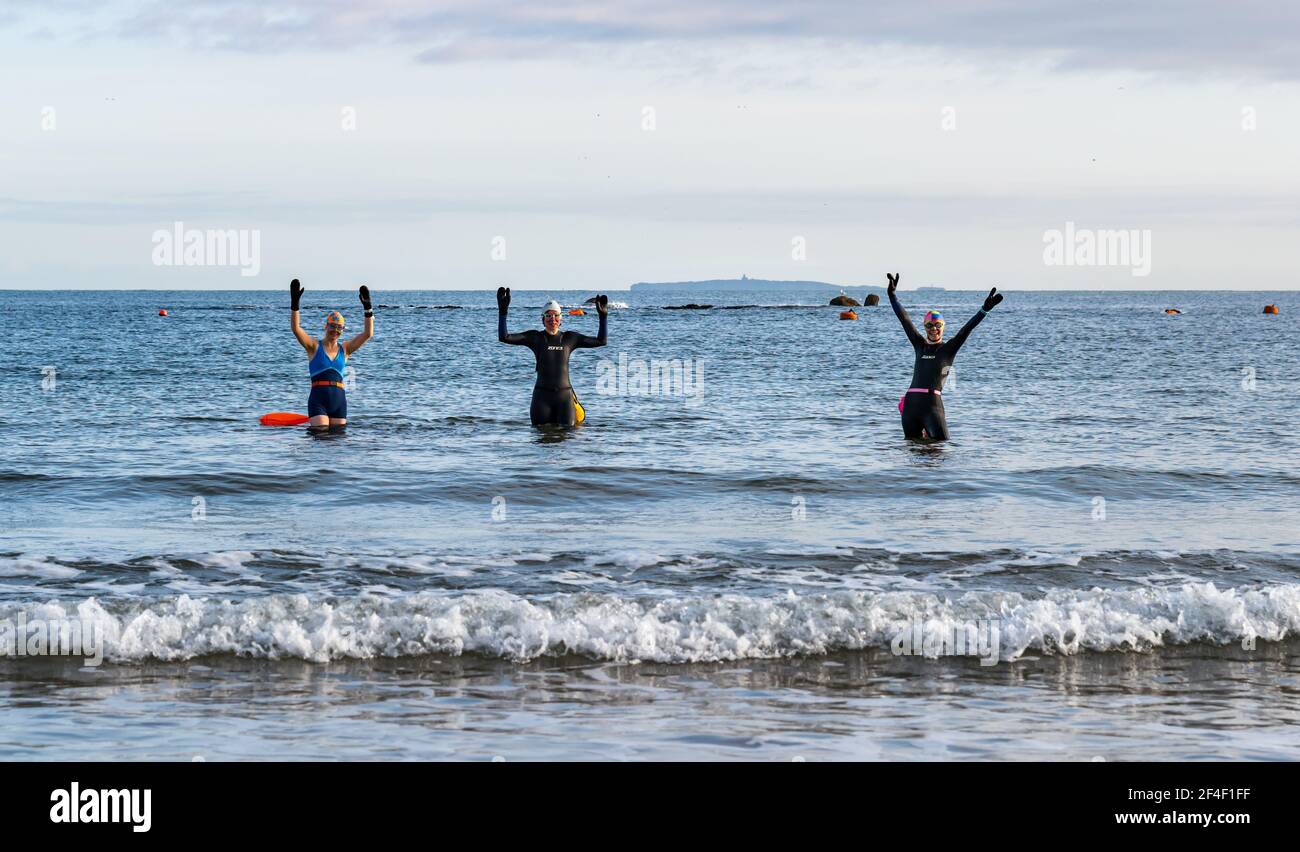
point(993, 299)
point(602, 305)
point(503, 299)
point(893, 281)
point(295, 294)
point(365, 300)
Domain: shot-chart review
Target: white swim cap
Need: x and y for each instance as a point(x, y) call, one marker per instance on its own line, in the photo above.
point(552, 306)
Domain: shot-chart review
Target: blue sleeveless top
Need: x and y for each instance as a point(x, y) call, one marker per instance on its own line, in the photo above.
point(321, 363)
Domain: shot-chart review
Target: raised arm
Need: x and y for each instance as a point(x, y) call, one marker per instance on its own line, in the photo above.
point(360, 340)
point(959, 338)
point(913, 336)
point(586, 342)
point(295, 296)
point(503, 306)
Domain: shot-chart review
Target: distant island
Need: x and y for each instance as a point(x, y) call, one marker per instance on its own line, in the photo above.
point(744, 282)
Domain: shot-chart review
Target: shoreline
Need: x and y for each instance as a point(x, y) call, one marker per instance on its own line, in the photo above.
point(1186, 703)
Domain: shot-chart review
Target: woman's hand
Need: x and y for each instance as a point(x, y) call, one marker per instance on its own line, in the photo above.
point(503, 299)
point(364, 293)
point(304, 339)
point(893, 281)
point(993, 299)
point(602, 305)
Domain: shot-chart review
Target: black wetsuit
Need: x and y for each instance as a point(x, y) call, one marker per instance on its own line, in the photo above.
point(552, 394)
point(924, 411)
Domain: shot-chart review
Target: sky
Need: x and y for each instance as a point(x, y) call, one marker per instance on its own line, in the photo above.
point(591, 145)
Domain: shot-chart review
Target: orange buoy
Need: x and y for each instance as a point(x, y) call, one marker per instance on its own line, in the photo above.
point(1172, 311)
point(848, 315)
point(1270, 309)
point(163, 312)
point(577, 312)
point(284, 418)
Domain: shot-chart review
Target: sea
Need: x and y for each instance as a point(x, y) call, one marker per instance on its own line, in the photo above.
point(737, 556)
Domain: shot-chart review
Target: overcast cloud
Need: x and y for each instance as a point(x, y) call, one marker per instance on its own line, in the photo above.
point(1193, 36)
point(613, 142)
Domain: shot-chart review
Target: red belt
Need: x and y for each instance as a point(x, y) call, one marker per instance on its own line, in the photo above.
point(327, 384)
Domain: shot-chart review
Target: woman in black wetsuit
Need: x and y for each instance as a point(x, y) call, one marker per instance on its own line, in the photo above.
point(922, 405)
point(554, 402)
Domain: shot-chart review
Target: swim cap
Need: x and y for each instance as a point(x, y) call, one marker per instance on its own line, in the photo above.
point(552, 306)
point(335, 317)
point(932, 316)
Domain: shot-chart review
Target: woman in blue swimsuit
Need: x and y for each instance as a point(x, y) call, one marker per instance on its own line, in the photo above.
point(328, 404)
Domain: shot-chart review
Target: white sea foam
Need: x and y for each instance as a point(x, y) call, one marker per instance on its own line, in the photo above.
point(35, 566)
point(162, 569)
point(673, 630)
point(432, 565)
point(228, 560)
point(630, 559)
point(1036, 558)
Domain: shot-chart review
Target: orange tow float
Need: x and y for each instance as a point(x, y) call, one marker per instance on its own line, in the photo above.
point(284, 418)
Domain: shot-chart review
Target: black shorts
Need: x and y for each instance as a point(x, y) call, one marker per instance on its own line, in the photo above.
point(328, 400)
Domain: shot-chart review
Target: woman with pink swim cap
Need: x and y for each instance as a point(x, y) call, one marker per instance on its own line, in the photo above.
point(922, 404)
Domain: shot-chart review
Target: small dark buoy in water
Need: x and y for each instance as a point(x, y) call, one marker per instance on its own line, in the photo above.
point(1172, 311)
point(1270, 309)
point(163, 312)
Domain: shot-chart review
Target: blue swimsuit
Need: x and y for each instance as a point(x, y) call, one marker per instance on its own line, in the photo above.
point(327, 397)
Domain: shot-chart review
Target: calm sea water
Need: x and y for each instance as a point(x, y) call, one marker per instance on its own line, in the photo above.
point(722, 574)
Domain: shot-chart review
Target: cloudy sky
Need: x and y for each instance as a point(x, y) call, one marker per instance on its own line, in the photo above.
point(414, 144)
